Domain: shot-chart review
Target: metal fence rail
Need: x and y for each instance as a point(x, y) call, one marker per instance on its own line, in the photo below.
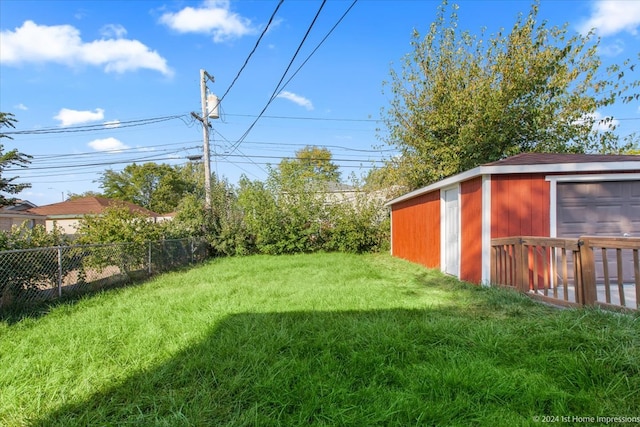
point(31, 276)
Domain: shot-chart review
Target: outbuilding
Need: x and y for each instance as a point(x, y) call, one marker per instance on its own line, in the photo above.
point(449, 224)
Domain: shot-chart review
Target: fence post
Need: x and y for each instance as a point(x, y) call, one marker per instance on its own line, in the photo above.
point(588, 272)
point(59, 271)
point(191, 242)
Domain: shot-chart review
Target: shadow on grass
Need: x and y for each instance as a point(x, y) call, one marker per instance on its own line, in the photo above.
point(383, 367)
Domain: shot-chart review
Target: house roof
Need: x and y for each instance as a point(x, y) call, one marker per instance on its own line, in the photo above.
point(4, 213)
point(18, 205)
point(87, 206)
point(537, 163)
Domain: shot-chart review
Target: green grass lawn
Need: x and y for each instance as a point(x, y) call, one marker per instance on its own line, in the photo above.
point(322, 339)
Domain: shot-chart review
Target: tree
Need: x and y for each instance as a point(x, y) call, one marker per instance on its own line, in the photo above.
point(461, 100)
point(311, 163)
point(10, 158)
point(117, 224)
point(89, 193)
point(157, 187)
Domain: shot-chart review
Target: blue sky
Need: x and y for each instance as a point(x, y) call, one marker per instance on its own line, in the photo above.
point(101, 84)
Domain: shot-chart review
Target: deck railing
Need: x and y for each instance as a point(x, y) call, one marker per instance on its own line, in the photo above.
point(589, 270)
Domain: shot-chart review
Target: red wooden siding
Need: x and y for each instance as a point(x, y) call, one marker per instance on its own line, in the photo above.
point(415, 233)
point(519, 205)
point(471, 230)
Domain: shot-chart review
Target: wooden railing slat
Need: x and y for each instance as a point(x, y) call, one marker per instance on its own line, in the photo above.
point(620, 277)
point(607, 282)
point(530, 263)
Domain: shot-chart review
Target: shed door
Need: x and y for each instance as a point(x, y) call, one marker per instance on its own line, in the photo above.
point(609, 208)
point(451, 232)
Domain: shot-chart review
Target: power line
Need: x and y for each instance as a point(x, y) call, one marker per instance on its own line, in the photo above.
point(308, 118)
point(113, 151)
point(91, 128)
point(278, 88)
point(146, 158)
point(246, 61)
point(319, 44)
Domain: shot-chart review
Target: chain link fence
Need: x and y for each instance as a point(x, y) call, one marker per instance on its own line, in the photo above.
point(32, 276)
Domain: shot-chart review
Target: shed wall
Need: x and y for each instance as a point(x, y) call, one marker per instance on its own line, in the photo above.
point(471, 230)
point(520, 205)
point(415, 232)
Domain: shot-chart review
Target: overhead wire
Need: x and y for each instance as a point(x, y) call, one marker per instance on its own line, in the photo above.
point(106, 163)
point(319, 44)
point(95, 127)
point(141, 122)
point(246, 61)
point(328, 119)
point(278, 88)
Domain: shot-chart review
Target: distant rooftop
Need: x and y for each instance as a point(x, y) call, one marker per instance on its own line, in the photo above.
point(88, 206)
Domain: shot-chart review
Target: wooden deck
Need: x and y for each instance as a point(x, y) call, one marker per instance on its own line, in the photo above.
point(602, 271)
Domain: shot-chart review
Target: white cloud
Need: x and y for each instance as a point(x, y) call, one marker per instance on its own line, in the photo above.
point(213, 17)
point(614, 48)
point(108, 144)
point(69, 117)
point(613, 16)
point(62, 44)
point(22, 107)
point(297, 99)
point(600, 122)
point(112, 124)
point(116, 31)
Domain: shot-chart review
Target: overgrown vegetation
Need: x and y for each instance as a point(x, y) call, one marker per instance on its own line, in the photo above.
point(301, 207)
point(461, 99)
point(25, 237)
point(314, 339)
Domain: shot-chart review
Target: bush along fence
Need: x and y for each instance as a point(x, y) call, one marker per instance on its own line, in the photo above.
point(32, 276)
point(600, 271)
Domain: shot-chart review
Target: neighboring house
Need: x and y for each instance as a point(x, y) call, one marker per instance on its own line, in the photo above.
point(67, 215)
point(449, 224)
point(16, 214)
point(343, 193)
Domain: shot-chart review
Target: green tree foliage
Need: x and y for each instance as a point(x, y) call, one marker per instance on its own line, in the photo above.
point(462, 100)
point(296, 212)
point(72, 196)
point(359, 224)
point(288, 212)
point(157, 187)
point(25, 237)
point(222, 226)
point(117, 224)
point(311, 164)
point(8, 159)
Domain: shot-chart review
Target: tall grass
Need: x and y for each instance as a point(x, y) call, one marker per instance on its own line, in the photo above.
point(323, 339)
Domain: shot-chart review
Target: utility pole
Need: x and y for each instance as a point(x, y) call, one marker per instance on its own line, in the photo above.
point(211, 111)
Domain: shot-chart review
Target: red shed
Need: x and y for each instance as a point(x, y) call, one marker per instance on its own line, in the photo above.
point(449, 224)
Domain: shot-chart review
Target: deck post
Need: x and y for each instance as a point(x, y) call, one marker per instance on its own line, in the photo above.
point(588, 272)
point(523, 263)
